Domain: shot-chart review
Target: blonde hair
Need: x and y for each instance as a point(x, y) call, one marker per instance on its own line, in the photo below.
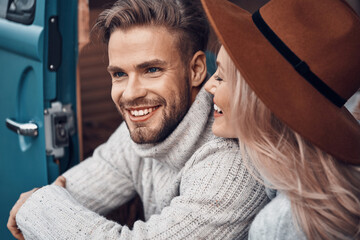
point(324, 192)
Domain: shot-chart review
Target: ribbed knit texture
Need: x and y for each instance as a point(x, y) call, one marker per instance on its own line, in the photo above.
point(193, 186)
point(275, 222)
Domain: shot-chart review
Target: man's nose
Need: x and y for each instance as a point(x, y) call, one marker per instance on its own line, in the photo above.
point(134, 88)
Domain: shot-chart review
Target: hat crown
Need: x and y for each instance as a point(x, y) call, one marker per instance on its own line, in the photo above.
point(323, 33)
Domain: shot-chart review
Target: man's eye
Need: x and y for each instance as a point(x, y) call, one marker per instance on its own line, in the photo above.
point(153, 70)
point(118, 74)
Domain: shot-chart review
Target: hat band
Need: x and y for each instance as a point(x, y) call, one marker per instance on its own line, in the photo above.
point(300, 66)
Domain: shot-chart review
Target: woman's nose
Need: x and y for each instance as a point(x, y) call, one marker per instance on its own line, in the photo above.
point(210, 85)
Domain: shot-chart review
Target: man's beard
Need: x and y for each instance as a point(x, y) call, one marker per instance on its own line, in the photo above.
point(170, 119)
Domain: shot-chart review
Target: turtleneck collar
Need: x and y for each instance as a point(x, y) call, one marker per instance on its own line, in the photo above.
point(180, 145)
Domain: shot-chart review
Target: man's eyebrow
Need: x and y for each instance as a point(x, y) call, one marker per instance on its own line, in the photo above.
point(147, 64)
point(151, 63)
point(114, 69)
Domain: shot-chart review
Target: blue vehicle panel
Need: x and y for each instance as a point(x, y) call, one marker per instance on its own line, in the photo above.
point(28, 87)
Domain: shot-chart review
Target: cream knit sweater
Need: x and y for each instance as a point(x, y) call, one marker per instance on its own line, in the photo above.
point(193, 186)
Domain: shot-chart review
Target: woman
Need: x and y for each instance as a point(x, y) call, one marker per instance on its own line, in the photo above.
point(283, 76)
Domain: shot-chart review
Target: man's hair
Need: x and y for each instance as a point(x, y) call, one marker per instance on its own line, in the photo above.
point(183, 17)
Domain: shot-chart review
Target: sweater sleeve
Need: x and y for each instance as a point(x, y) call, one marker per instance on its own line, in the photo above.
point(104, 181)
point(217, 199)
point(222, 195)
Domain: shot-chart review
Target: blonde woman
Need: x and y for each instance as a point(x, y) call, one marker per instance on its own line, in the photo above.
point(284, 74)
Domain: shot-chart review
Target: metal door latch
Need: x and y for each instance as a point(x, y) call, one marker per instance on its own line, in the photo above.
point(59, 127)
point(25, 129)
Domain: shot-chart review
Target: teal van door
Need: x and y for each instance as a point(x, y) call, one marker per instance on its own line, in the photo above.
point(38, 140)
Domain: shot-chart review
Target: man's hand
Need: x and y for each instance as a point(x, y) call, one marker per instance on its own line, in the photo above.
point(11, 225)
point(60, 181)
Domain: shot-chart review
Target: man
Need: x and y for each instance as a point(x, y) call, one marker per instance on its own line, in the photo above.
point(193, 185)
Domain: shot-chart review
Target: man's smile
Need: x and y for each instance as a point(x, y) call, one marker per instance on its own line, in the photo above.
point(141, 114)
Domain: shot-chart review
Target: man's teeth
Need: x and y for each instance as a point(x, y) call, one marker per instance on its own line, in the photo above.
point(143, 112)
point(217, 109)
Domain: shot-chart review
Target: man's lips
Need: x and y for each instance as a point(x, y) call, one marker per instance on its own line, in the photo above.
point(141, 114)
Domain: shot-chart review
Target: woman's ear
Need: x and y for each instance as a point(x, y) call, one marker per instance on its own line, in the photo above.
point(198, 69)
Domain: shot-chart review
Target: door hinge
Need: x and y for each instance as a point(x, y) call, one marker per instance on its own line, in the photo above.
point(59, 127)
point(54, 44)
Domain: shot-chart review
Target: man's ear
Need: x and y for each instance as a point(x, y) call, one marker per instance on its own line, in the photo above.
point(198, 69)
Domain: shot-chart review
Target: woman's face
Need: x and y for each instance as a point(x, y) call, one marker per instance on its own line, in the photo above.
point(220, 86)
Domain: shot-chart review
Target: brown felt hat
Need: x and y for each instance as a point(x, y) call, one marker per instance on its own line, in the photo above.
point(302, 59)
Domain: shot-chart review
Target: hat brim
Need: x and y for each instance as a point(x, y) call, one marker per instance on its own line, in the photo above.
point(287, 94)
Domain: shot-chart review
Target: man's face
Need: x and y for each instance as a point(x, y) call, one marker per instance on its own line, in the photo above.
point(150, 85)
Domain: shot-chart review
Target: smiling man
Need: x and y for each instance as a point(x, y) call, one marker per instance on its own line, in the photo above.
point(193, 185)
point(151, 86)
